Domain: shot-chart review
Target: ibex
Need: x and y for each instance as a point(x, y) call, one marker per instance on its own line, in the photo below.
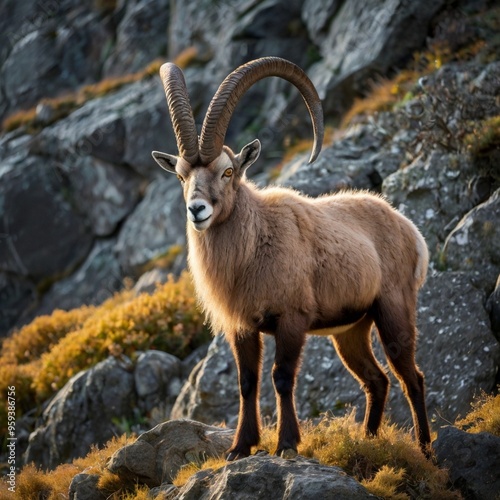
point(272, 261)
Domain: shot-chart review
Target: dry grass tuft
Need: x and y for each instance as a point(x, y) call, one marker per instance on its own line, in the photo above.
point(20, 355)
point(385, 94)
point(341, 442)
point(32, 484)
point(18, 119)
point(167, 320)
point(484, 417)
point(41, 357)
point(186, 57)
point(192, 468)
point(63, 105)
point(35, 484)
point(390, 465)
point(113, 486)
point(95, 461)
point(139, 493)
point(387, 483)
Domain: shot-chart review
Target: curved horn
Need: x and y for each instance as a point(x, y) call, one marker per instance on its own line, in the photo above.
point(234, 87)
point(180, 112)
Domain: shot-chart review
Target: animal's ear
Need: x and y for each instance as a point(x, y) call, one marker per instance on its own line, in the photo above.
point(248, 155)
point(165, 161)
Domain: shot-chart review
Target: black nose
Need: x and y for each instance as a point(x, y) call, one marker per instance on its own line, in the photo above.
point(196, 209)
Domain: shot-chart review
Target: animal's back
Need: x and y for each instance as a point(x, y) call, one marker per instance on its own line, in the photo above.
point(391, 233)
point(317, 262)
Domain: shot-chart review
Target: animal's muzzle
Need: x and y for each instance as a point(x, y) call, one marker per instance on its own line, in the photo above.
point(199, 210)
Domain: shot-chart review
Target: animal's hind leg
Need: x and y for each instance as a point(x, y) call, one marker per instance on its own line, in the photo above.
point(396, 325)
point(355, 351)
point(247, 350)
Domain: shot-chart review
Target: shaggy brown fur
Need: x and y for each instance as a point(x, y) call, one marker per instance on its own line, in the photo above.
point(276, 262)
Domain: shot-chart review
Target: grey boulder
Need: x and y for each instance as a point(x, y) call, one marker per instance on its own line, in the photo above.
point(472, 461)
point(261, 476)
point(474, 244)
point(157, 455)
point(158, 223)
point(83, 413)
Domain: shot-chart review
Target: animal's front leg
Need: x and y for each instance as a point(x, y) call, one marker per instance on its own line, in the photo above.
point(289, 345)
point(247, 350)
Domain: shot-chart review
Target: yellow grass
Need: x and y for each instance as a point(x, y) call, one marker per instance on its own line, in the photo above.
point(185, 57)
point(35, 484)
point(390, 465)
point(163, 261)
point(387, 483)
point(19, 118)
point(388, 92)
point(63, 105)
point(382, 96)
point(192, 468)
point(41, 357)
point(484, 417)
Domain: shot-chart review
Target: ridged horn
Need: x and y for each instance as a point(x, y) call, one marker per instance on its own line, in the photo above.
point(180, 111)
point(234, 87)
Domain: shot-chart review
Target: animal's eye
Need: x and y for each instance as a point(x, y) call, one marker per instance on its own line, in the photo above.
point(228, 172)
point(180, 178)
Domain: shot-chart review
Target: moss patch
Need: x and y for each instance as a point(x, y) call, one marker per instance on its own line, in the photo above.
point(484, 138)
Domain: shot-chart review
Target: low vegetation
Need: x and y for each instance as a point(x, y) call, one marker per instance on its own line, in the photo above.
point(35, 484)
point(484, 137)
point(472, 38)
point(484, 417)
point(390, 466)
point(62, 106)
point(41, 357)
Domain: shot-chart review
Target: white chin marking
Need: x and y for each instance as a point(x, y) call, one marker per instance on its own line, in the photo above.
point(201, 226)
point(199, 211)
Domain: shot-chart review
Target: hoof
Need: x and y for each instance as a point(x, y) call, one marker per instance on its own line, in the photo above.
point(235, 455)
point(287, 453)
point(428, 452)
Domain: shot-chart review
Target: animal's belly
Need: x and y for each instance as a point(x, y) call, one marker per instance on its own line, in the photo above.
point(335, 329)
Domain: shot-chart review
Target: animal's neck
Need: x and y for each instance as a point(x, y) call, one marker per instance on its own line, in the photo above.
point(220, 254)
point(215, 247)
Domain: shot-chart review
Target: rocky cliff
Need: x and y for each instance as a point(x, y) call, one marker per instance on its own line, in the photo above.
point(411, 101)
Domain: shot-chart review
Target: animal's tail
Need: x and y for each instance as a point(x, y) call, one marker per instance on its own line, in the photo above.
point(422, 260)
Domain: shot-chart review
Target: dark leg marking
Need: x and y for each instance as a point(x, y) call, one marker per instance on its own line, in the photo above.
point(355, 350)
point(396, 325)
point(290, 338)
point(247, 350)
